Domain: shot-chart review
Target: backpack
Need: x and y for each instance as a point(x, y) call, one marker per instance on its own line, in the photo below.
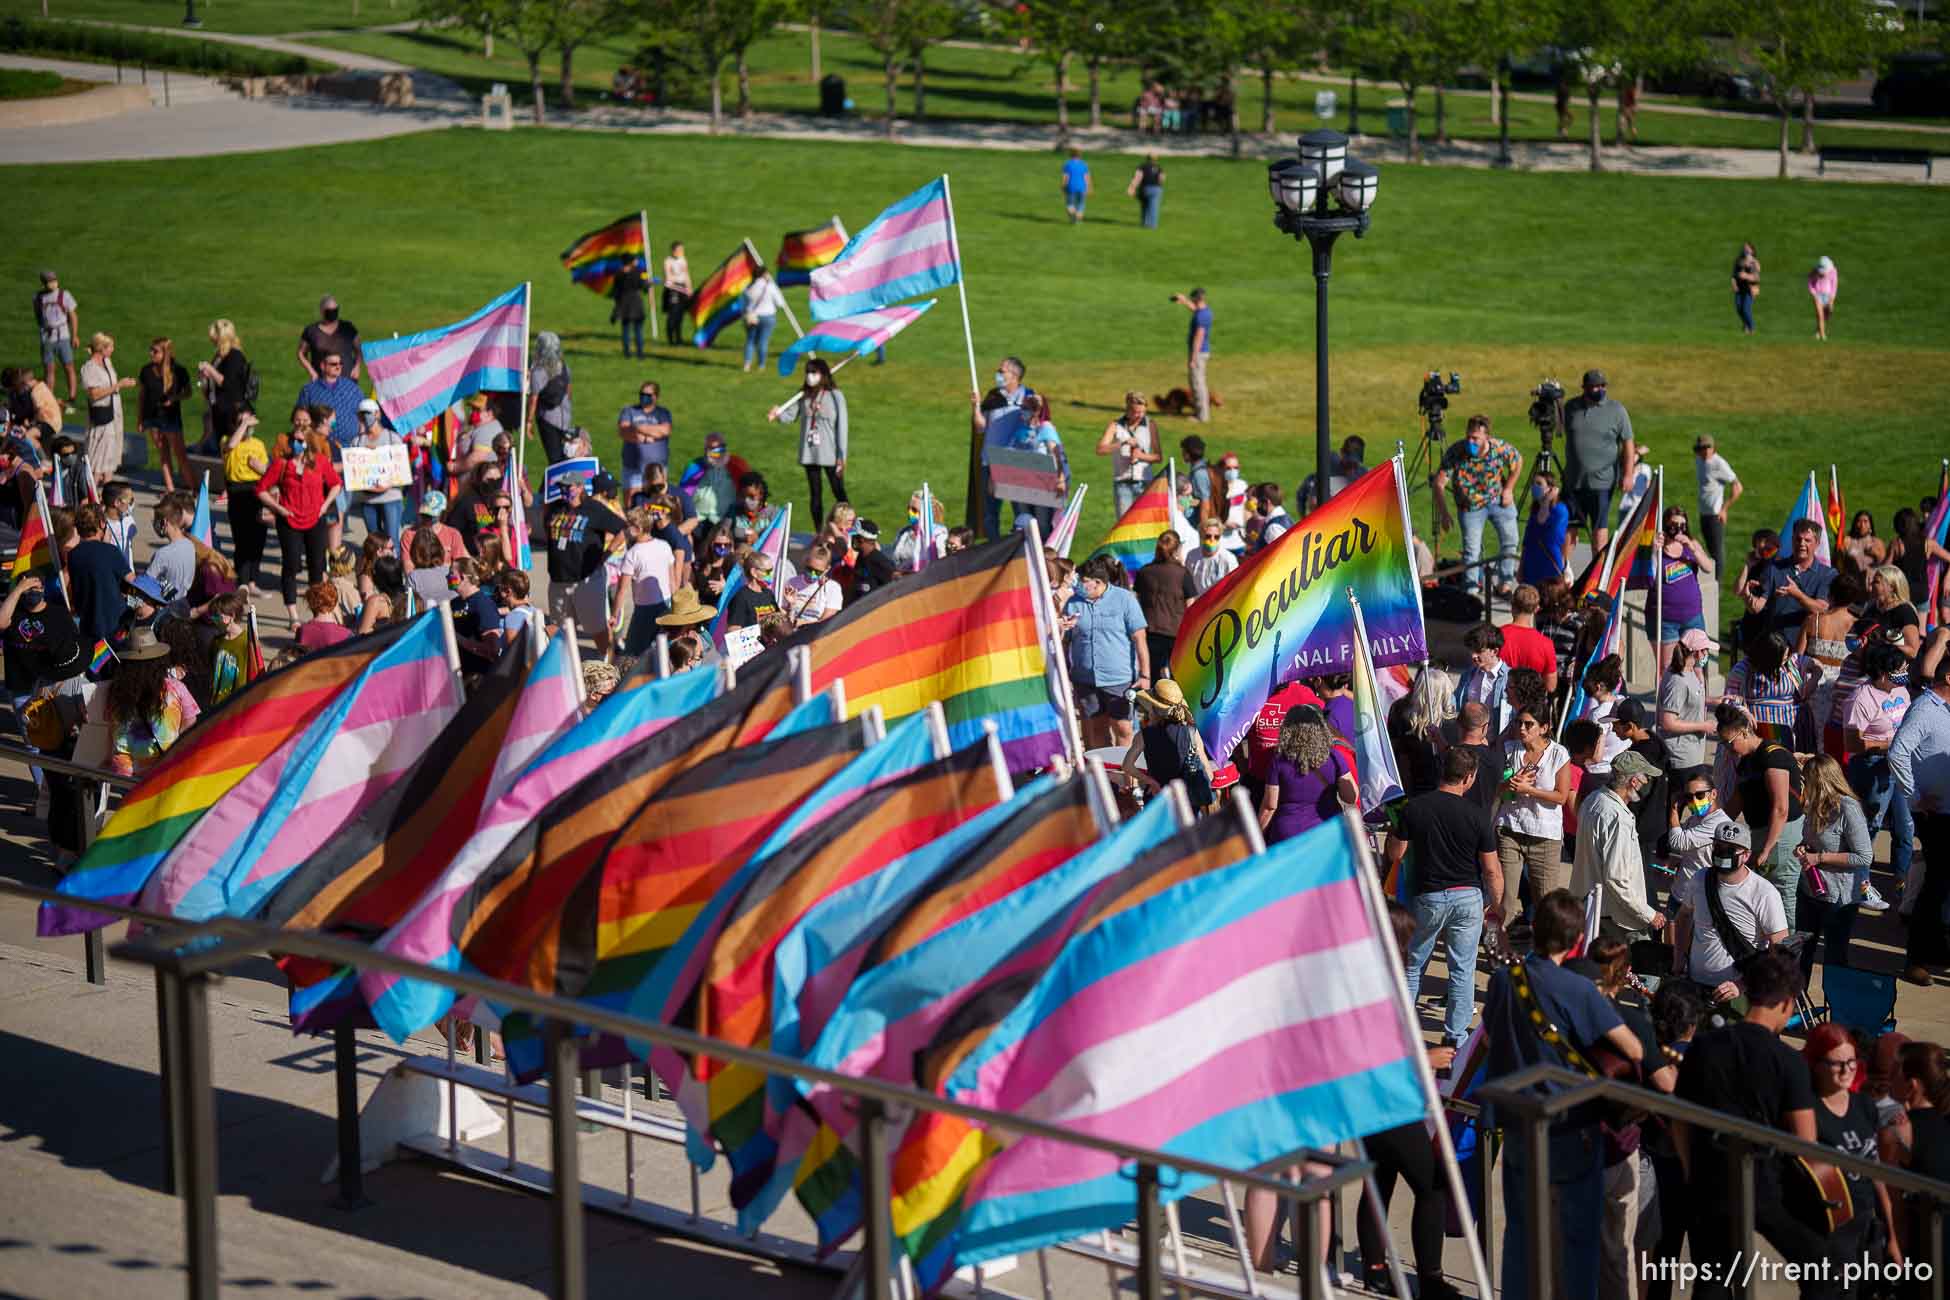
point(554, 391)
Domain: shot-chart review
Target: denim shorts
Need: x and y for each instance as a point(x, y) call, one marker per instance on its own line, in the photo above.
point(53, 350)
point(1671, 631)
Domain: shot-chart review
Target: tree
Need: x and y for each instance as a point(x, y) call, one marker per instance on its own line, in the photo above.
point(1414, 43)
point(530, 25)
point(712, 34)
point(1804, 46)
point(1281, 34)
point(930, 22)
point(900, 30)
point(1607, 40)
point(575, 22)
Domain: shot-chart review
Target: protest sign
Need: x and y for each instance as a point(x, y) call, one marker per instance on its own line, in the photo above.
point(374, 469)
point(582, 467)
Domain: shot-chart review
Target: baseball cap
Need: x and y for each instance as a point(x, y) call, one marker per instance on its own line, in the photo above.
point(368, 407)
point(1594, 379)
point(1695, 639)
point(1632, 712)
point(1633, 763)
point(48, 277)
point(1730, 835)
point(604, 484)
point(434, 503)
point(1703, 443)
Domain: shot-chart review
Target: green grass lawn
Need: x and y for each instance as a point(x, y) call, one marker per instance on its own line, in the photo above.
point(1504, 277)
point(19, 83)
point(248, 17)
point(999, 85)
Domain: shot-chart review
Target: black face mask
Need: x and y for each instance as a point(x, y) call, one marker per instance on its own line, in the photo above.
point(329, 315)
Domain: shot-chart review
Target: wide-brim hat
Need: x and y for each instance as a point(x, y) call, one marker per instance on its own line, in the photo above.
point(1164, 697)
point(686, 611)
point(142, 644)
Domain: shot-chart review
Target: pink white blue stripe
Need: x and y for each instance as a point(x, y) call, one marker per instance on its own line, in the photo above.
point(1808, 505)
point(1064, 534)
point(625, 720)
point(909, 249)
point(417, 376)
point(1236, 1017)
point(857, 335)
point(275, 818)
point(201, 527)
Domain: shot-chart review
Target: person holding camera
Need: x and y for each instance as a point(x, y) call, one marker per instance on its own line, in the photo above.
point(1484, 470)
point(1599, 456)
point(1198, 348)
point(1133, 442)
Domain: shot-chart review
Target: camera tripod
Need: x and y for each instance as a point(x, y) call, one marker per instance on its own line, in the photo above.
point(1428, 452)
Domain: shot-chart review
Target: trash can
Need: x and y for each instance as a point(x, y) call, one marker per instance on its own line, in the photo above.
point(832, 95)
point(1398, 117)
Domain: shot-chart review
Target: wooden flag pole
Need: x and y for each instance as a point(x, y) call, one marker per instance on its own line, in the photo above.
point(782, 302)
point(643, 224)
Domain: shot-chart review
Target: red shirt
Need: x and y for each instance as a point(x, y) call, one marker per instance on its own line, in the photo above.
point(1264, 739)
point(300, 491)
point(1526, 647)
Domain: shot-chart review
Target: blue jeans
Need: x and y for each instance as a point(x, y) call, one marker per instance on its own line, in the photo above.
point(382, 517)
point(1743, 303)
point(1505, 519)
point(632, 327)
point(1577, 1211)
point(758, 338)
point(1154, 197)
point(1885, 807)
point(1456, 917)
point(1126, 495)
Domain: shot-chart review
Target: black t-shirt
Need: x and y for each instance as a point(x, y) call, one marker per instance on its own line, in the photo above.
point(748, 605)
point(95, 570)
point(1898, 616)
point(1150, 174)
point(1755, 796)
point(1415, 754)
point(1853, 1131)
point(673, 536)
point(1929, 1143)
point(577, 536)
point(41, 647)
point(474, 618)
point(1745, 1070)
point(153, 402)
point(342, 342)
point(1446, 834)
point(1489, 777)
point(873, 572)
point(628, 289)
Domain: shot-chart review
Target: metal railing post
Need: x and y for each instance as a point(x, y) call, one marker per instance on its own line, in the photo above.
point(1538, 1211)
point(345, 1063)
point(878, 1211)
point(1309, 1247)
point(1742, 1156)
point(166, 1080)
point(565, 1054)
point(1933, 1239)
point(1150, 1228)
point(197, 1125)
point(1487, 1144)
point(94, 957)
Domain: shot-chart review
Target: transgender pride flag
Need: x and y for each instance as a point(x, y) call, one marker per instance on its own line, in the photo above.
point(418, 376)
point(909, 249)
point(1235, 1017)
point(857, 335)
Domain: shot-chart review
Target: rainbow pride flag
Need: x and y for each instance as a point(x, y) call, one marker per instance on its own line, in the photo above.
point(35, 551)
point(595, 258)
point(254, 727)
point(804, 251)
point(1283, 613)
point(1133, 539)
point(720, 299)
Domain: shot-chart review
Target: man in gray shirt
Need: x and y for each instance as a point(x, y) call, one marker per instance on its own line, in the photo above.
point(1599, 455)
point(174, 562)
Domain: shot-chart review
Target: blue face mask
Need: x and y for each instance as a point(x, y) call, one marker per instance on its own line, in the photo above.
point(1474, 450)
point(1538, 492)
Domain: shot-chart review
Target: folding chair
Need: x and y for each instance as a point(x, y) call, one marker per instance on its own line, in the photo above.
point(1859, 999)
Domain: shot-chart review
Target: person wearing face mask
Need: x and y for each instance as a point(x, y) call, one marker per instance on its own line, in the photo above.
point(1751, 907)
point(684, 624)
point(812, 596)
point(993, 418)
point(710, 483)
point(1546, 534)
point(1685, 708)
point(908, 542)
point(753, 513)
point(380, 509)
point(822, 434)
point(1484, 471)
point(645, 429)
point(647, 570)
point(1693, 822)
point(1599, 455)
point(1213, 561)
point(1234, 492)
point(297, 488)
point(471, 513)
point(329, 336)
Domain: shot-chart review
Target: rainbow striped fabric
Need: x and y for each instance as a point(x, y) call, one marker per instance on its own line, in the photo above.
point(907, 250)
point(35, 551)
point(719, 300)
point(594, 259)
point(249, 729)
point(804, 251)
point(1282, 613)
point(854, 335)
point(1133, 539)
point(968, 632)
point(348, 755)
point(1236, 1016)
point(417, 376)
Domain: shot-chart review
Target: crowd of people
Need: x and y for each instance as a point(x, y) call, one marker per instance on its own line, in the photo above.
point(1727, 870)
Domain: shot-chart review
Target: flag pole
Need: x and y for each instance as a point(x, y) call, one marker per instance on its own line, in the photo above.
point(789, 407)
point(451, 640)
point(1058, 664)
point(527, 328)
point(782, 302)
point(1657, 565)
point(643, 224)
point(961, 283)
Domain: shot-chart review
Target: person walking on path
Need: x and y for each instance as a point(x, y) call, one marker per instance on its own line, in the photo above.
point(762, 303)
point(1198, 348)
point(628, 289)
point(328, 336)
point(677, 293)
point(1719, 488)
point(1746, 286)
point(1824, 283)
point(1077, 185)
point(105, 389)
point(1148, 188)
point(60, 325)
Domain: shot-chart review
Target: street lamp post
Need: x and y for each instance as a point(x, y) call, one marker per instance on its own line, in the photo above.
point(1320, 196)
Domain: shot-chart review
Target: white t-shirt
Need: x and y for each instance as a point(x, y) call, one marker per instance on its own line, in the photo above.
point(1714, 476)
point(1525, 815)
point(1208, 570)
point(1753, 908)
point(1126, 467)
point(96, 373)
point(646, 565)
point(810, 599)
point(53, 309)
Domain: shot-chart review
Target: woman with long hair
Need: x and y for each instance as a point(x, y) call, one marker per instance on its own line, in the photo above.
point(297, 489)
point(214, 577)
point(822, 433)
point(428, 579)
point(1834, 855)
point(1163, 588)
point(1923, 1085)
point(384, 590)
point(1310, 779)
point(1890, 607)
point(226, 380)
point(1537, 786)
point(245, 463)
point(1876, 711)
point(1777, 690)
point(162, 385)
point(1845, 1119)
point(1418, 729)
point(148, 705)
point(1681, 561)
point(1824, 639)
point(1909, 549)
point(1170, 746)
point(1862, 549)
point(551, 412)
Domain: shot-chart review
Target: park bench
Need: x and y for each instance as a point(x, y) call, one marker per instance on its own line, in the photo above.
point(1875, 154)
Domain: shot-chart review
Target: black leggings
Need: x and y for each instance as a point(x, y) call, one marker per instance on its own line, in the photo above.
point(676, 303)
point(247, 530)
point(833, 476)
point(1406, 1152)
point(308, 544)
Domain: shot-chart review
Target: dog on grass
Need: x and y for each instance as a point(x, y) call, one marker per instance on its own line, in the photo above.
point(1179, 401)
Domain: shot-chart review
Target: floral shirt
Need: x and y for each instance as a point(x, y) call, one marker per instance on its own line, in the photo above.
point(139, 742)
point(1479, 480)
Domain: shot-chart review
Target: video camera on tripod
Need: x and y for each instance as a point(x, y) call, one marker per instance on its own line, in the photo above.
point(1547, 413)
point(1433, 400)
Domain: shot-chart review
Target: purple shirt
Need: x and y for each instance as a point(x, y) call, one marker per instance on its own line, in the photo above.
point(1681, 575)
point(1306, 798)
point(1340, 712)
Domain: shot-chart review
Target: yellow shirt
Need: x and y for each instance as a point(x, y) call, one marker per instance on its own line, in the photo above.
point(236, 462)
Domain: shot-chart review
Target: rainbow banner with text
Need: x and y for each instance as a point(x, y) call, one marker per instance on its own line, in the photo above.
point(1284, 614)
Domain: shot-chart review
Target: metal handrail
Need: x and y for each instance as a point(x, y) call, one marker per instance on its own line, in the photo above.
point(67, 767)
